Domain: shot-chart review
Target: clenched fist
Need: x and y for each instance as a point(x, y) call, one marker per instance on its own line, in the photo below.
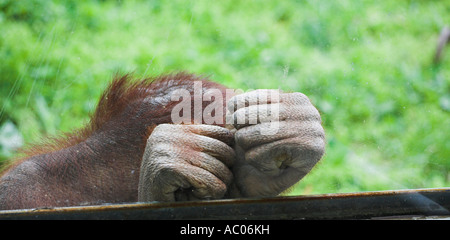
point(186, 162)
point(278, 140)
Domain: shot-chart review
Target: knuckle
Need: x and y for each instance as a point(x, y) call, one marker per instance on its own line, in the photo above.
point(163, 127)
point(162, 130)
point(158, 138)
point(304, 113)
point(159, 148)
point(297, 98)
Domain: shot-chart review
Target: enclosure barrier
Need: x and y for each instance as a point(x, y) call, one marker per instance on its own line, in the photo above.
point(395, 204)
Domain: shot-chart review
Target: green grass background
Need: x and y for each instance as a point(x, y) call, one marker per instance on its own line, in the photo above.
point(366, 65)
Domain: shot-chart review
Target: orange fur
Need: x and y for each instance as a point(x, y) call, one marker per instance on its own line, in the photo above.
point(105, 151)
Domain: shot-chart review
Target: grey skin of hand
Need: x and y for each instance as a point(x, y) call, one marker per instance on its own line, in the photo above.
point(278, 140)
point(186, 162)
point(274, 140)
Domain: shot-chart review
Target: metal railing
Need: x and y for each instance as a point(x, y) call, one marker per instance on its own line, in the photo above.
point(410, 204)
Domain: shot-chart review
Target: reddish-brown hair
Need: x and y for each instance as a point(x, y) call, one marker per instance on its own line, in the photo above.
point(118, 104)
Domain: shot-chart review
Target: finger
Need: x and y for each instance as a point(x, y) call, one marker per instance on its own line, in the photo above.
point(261, 96)
point(273, 112)
point(170, 181)
point(251, 136)
point(220, 133)
point(212, 165)
point(167, 131)
point(211, 139)
point(205, 185)
point(296, 106)
point(214, 148)
point(256, 114)
point(295, 98)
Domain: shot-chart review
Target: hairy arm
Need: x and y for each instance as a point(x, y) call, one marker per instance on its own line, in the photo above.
point(91, 172)
point(100, 162)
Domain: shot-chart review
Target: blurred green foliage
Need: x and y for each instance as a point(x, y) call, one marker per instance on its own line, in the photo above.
point(366, 65)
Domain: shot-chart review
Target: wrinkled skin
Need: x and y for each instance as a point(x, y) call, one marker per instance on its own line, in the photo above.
point(188, 162)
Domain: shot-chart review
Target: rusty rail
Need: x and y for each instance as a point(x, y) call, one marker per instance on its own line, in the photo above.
point(364, 205)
